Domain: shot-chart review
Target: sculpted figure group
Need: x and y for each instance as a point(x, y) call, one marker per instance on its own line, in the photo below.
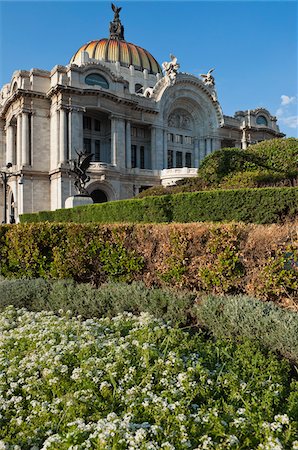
point(170, 69)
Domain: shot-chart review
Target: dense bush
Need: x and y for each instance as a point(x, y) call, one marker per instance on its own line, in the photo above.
point(277, 157)
point(269, 163)
point(136, 383)
point(268, 205)
point(87, 301)
point(238, 317)
point(256, 260)
point(243, 317)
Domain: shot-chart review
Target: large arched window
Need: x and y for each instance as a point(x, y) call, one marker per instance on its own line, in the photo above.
point(95, 79)
point(261, 120)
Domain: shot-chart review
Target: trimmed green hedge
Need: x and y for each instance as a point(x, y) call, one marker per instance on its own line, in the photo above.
point(257, 260)
point(237, 317)
point(268, 205)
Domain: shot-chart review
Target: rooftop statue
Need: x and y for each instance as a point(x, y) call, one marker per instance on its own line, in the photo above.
point(116, 27)
point(170, 69)
point(116, 11)
point(208, 79)
point(78, 169)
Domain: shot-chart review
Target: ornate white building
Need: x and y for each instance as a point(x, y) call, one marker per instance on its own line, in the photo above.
point(144, 125)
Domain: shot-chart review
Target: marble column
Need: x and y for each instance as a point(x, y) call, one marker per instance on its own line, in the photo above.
point(62, 136)
point(208, 150)
point(75, 133)
point(114, 141)
point(19, 140)
point(9, 144)
point(138, 158)
point(165, 149)
point(159, 156)
point(25, 139)
point(153, 148)
point(128, 144)
point(196, 155)
point(118, 142)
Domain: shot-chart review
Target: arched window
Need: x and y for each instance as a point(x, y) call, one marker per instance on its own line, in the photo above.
point(261, 120)
point(95, 79)
point(15, 86)
point(138, 88)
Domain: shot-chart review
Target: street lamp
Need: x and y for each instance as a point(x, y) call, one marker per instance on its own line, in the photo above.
point(5, 175)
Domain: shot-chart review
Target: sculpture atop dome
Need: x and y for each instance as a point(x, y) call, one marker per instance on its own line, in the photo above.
point(116, 27)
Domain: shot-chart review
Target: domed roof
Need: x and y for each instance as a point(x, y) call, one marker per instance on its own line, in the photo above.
point(118, 50)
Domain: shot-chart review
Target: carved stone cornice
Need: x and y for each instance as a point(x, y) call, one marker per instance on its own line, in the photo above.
point(133, 104)
point(20, 93)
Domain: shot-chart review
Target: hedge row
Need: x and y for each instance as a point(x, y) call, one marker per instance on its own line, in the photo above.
point(268, 205)
point(257, 260)
point(237, 317)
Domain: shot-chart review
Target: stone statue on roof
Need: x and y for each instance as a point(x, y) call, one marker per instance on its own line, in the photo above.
point(170, 69)
point(208, 79)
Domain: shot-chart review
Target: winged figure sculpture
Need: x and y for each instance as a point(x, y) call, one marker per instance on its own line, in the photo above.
point(116, 11)
point(208, 78)
point(79, 171)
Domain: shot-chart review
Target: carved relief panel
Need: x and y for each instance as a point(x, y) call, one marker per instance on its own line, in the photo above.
point(180, 119)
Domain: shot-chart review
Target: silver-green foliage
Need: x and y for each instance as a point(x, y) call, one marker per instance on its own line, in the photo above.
point(245, 317)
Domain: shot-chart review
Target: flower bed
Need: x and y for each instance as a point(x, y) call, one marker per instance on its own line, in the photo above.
point(135, 382)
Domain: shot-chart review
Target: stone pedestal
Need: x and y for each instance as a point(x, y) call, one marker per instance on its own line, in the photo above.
point(78, 200)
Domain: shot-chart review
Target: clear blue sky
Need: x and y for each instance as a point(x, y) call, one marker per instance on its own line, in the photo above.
point(252, 45)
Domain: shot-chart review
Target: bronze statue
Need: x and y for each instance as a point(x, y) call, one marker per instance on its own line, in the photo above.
point(78, 169)
point(116, 27)
point(116, 11)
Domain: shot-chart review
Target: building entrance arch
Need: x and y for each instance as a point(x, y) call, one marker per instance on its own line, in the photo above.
point(98, 196)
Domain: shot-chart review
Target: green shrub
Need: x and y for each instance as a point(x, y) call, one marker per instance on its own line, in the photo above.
point(223, 270)
point(214, 258)
point(271, 161)
point(244, 317)
point(87, 301)
point(237, 317)
point(266, 205)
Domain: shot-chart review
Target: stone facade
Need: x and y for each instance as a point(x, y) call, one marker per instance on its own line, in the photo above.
point(144, 128)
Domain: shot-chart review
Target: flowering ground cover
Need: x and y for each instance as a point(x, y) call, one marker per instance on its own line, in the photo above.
point(137, 383)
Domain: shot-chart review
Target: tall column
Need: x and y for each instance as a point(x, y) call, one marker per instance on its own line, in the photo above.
point(75, 130)
point(128, 144)
point(201, 149)
point(138, 159)
point(62, 136)
point(118, 141)
point(153, 148)
point(9, 144)
point(19, 140)
point(159, 157)
point(244, 139)
point(25, 139)
point(196, 153)
point(114, 141)
point(208, 146)
point(174, 159)
point(165, 149)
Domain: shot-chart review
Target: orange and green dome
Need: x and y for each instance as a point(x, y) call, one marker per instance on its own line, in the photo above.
point(116, 50)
